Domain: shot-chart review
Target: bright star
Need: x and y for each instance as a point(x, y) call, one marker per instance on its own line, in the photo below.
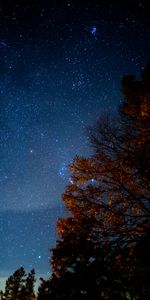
point(62, 169)
point(93, 30)
point(70, 180)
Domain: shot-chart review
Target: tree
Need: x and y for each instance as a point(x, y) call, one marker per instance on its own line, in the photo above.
point(14, 285)
point(108, 204)
point(27, 292)
point(20, 286)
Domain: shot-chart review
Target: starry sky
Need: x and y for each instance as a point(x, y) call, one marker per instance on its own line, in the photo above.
point(61, 63)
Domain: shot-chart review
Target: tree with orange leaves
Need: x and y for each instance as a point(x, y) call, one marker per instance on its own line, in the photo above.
point(108, 200)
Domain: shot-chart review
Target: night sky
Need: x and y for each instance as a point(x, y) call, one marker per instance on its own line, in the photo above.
point(61, 63)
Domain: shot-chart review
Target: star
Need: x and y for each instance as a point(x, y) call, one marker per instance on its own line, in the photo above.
point(53, 86)
point(93, 30)
point(62, 170)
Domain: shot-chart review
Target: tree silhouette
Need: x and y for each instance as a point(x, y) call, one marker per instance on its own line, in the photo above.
point(27, 291)
point(20, 286)
point(14, 285)
point(97, 254)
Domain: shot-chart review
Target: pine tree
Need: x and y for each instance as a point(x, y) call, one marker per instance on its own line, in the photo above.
point(20, 286)
point(27, 291)
point(14, 285)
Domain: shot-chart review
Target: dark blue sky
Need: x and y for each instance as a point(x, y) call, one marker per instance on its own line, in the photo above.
point(60, 69)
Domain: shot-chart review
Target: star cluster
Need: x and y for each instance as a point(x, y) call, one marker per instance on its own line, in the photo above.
point(60, 68)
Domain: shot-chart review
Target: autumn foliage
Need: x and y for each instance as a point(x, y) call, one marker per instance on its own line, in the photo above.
point(104, 239)
point(101, 240)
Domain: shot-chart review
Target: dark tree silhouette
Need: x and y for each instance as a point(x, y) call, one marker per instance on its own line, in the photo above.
point(20, 286)
point(14, 285)
point(27, 291)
